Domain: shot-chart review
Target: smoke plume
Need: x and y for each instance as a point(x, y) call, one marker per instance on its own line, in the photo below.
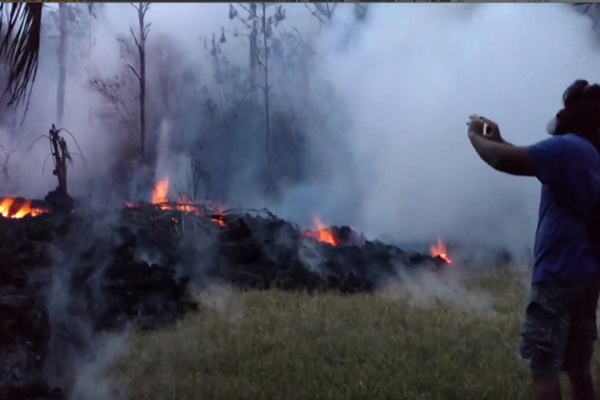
point(409, 78)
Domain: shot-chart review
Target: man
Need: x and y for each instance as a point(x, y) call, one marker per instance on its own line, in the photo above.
point(559, 331)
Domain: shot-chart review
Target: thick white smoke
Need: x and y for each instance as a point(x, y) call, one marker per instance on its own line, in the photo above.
point(411, 77)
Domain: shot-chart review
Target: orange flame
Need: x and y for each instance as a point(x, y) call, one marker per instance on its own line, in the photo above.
point(219, 221)
point(185, 205)
point(161, 191)
point(11, 208)
point(440, 250)
point(219, 217)
point(323, 234)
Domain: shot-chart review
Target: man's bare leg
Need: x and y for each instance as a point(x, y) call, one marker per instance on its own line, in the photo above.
point(547, 387)
point(582, 386)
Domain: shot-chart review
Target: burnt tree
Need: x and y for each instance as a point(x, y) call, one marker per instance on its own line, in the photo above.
point(60, 155)
point(140, 43)
point(59, 198)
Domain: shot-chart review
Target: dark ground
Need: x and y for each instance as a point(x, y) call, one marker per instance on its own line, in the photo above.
point(66, 278)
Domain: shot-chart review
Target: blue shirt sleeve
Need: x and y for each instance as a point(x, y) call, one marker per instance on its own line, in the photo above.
point(550, 158)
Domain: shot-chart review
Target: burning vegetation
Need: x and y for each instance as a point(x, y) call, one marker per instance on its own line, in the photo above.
point(440, 250)
point(346, 236)
point(249, 249)
point(18, 207)
point(161, 201)
point(323, 234)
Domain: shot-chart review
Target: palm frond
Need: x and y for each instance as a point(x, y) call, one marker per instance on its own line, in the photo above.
point(20, 32)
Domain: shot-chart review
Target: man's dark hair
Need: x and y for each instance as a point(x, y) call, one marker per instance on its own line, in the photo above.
point(581, 112)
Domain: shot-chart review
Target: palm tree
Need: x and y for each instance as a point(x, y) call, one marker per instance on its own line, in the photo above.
point(20, 29)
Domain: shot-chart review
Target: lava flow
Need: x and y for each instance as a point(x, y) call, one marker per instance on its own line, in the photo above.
point(11, 207)
point(440, 250)
point(323, 234)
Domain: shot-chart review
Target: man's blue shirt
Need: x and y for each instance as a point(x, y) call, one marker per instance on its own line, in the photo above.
point(562, 250)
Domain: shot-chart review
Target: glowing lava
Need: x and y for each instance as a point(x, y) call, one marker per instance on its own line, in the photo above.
point(323, 234)
point(19, 208)
point(440, 250)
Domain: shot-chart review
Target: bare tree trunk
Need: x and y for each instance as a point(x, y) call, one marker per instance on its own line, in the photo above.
point(266, 89)
point(60, 155)
point(142, 51)
point(255, 23)
point(253, 47)
point(63, 16)
point(140, 43)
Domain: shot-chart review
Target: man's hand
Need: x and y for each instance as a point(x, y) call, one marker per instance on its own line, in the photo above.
point(478, 124)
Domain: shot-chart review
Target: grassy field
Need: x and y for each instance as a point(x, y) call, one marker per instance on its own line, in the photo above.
point(434, 338)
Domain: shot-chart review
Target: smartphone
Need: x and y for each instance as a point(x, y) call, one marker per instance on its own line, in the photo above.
point(484, 128)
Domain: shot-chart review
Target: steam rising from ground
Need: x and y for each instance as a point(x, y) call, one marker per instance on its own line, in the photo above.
point(425, 289)
point(222, 300)
point(79, 359)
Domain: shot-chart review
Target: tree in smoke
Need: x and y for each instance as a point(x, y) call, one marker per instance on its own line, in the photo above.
point(119, 110)
point(63, 15)
point(70, 17)
point(117, 91)
point(140, 43)
point(323, 12)
point(7, 182)
point(250, 21)
point(113, 91)
point(261, 27)
point(92, 8)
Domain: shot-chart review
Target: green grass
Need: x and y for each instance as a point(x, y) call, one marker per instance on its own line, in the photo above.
point(416, 341)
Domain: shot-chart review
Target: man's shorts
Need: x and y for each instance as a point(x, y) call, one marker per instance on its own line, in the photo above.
point(560, 327)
